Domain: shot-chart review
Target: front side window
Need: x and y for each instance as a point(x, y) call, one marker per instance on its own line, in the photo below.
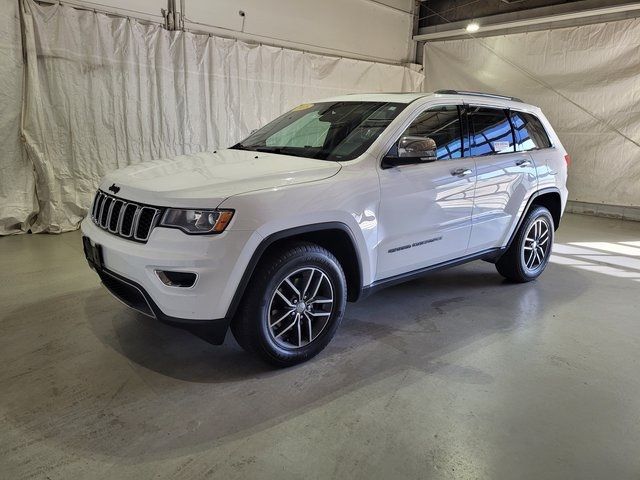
point(490, 132)
point(442, 125)
point(529, 132)
point(333, 131)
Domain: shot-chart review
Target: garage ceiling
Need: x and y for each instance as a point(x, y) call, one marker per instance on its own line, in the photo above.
point(439, 16)
point(434, 12)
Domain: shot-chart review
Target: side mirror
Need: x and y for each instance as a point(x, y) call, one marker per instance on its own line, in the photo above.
point(410, 150)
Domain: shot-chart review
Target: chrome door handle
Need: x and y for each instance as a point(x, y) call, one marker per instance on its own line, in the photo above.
point(523, 163)
point(461, 172)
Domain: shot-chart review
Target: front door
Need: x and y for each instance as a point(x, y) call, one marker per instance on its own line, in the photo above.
point(426, 208)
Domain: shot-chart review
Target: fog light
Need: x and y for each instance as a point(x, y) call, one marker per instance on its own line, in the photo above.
point(177, 279)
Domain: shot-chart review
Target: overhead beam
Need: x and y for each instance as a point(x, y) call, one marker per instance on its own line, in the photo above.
point(459, 30)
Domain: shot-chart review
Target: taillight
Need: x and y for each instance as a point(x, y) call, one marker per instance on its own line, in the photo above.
point(567, 158)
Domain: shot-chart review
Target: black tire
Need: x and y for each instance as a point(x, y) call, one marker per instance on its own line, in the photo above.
point(255, 327)
point(513, 265)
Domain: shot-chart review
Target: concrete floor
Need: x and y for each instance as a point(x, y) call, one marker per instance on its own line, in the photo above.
point(457, 375)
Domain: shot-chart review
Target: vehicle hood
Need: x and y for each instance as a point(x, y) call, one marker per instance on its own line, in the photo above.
point(206, 179)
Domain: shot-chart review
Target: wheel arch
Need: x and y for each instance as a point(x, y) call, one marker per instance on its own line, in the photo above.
point(552, 201)
point(547, 197)
point(336, 237)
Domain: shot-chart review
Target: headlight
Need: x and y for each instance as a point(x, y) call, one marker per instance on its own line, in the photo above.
point(197, 221)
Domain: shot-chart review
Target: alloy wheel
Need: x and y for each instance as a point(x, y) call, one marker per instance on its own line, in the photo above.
point(537, 245)
point(300, 308)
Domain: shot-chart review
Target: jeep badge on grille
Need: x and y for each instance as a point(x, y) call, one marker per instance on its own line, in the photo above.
point(114, 188)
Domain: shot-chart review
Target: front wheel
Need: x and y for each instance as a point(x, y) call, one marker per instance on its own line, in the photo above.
point(293, 304)
point(528, 255)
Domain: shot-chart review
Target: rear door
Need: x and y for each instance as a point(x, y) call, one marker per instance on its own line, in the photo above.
point(505, 177)
point(532, 137)
point(425, 208)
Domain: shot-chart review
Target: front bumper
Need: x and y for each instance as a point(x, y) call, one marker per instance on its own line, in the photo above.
point(136, 297)
point(128, 271)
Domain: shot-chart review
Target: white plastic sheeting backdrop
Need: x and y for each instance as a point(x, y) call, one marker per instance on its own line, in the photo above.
point(103, 92)
point(587, 81)
point(17, 194)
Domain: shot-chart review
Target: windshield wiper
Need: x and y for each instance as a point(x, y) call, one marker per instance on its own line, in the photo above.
point(239, 146)
point(256, 148)
point(284, 150)
point(269, 149)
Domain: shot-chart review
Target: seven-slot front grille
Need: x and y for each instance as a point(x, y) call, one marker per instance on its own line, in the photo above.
point(123, 218)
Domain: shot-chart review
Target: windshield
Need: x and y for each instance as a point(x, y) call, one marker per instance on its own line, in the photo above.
point(327, 131)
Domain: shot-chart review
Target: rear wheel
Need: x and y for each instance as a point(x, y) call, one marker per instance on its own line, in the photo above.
point(528, 255)
point(293, 305)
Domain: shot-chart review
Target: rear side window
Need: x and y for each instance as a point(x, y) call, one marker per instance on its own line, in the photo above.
point(529, 132)
point(491, 132)
point(442, 125)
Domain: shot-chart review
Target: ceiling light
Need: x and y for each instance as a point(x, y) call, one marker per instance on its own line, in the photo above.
point(473, 27)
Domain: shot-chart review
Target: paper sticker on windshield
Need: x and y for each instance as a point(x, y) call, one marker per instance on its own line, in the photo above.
point(500, 146)
point(304, 106)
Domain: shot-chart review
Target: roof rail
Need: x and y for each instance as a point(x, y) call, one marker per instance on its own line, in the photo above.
point(477, 94)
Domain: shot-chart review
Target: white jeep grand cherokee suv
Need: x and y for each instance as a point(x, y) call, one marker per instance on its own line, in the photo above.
point(326, 204)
